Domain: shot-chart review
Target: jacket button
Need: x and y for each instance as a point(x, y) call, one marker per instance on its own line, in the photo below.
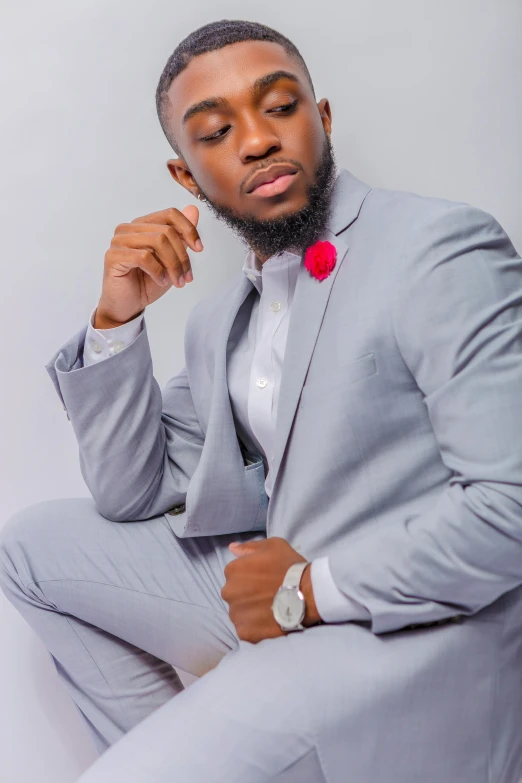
point(177, 510)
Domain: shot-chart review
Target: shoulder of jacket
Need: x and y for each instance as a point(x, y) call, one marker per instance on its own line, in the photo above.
point(387, 200)
point(402, 216)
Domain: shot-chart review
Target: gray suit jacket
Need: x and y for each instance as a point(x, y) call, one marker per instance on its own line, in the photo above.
point(399, 433)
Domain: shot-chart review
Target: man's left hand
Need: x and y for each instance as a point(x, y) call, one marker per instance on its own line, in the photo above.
point(253, 579)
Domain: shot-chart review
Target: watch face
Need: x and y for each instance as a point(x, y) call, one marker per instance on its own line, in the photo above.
point(288, 607)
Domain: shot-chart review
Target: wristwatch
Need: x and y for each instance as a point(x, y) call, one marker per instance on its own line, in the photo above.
point(289, 606)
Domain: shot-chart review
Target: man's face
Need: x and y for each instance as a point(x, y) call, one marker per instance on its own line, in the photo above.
point(243, 131)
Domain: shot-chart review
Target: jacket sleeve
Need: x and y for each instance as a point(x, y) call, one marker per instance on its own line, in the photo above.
point(458, 323)
point(138, 445)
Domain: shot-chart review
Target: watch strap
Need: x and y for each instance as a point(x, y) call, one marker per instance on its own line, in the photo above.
point(294, 574)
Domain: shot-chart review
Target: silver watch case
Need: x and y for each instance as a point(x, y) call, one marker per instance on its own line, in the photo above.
point(289, 605)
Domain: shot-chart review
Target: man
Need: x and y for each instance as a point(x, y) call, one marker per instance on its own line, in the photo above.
point(365, 449)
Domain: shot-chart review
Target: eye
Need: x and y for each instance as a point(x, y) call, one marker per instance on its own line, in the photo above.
point(285, 109)
point(215, 135)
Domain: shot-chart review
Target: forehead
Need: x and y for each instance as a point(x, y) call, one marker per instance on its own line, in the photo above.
point(228, 73)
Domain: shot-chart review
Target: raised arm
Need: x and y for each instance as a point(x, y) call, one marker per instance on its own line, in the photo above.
point(138, 446)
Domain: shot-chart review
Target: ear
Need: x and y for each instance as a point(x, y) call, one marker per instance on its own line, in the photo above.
point(326, 114)
point(181, 173)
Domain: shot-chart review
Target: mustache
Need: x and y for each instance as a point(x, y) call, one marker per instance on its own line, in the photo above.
point(296, 230)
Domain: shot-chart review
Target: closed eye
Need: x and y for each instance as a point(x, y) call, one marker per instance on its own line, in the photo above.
point(285, 109)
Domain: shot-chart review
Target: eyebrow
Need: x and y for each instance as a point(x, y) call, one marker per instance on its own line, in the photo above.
point(221, 103)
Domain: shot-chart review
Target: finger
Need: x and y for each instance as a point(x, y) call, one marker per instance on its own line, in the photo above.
point(242, 548)
point(147, 228)
point(181, 252)
point(258, 542)
point(162, 247)
point(174, 217)
point(177, 264)
point(128, 258)
point(191, 212)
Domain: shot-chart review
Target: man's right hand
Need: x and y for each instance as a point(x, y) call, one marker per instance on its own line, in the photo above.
point(141, 252)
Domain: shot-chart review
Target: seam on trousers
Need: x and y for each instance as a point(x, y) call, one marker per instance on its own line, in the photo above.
point(320, 757)
point(101, 673)
point(313, 749)
point(119, 587)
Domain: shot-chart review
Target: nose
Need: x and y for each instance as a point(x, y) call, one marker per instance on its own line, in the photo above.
point(258, 140)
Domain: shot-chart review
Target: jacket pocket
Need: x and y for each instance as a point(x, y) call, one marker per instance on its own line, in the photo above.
point(343, 377)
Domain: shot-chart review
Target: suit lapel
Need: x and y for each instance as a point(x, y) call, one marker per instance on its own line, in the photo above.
point(310, 300)
point(308, 308)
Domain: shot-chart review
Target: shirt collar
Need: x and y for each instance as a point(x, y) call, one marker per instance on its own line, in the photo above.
point(253, 268)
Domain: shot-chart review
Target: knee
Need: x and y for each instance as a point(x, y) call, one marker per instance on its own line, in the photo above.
point(33, 527)
point(15, 529)
point(21, 528)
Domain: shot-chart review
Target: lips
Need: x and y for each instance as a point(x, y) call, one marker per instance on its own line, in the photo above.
point(269, 175)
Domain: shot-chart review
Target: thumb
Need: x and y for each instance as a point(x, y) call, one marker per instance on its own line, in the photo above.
point(238, 548)
point(192, 213)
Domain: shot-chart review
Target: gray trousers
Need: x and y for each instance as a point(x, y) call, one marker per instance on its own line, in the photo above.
point(120, 605)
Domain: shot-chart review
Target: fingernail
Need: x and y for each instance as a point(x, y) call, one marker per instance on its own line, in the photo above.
point(164, 279)
point(199, 245)
point(181, 281)
point(188, 276)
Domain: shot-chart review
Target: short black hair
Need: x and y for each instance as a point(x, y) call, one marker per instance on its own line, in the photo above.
point(206, 39)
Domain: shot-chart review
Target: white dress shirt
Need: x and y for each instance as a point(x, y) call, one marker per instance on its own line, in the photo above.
point(254, 376)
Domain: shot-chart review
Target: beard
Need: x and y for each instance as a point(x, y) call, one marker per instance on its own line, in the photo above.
point(297, 230)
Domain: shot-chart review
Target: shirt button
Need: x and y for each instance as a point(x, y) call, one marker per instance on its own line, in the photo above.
point(251, 277)
point(117, 347)
point(97, 347)
point(261, 382)
point(275, 306)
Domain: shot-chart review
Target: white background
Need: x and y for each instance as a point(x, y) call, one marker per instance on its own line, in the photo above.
point(425, 96)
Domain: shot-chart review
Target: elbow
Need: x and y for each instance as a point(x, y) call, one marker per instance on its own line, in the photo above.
point(112, 512)
point(120, 514)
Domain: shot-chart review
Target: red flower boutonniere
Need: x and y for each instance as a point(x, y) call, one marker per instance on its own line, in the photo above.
point(320, 259)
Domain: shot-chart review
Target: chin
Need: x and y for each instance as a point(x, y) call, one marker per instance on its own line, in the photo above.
point(279, 206)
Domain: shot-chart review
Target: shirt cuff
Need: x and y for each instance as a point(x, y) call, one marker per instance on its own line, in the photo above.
point(333, 605)
point(101, 344)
